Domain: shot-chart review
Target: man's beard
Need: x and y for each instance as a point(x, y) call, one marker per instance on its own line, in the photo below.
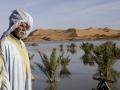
point(22, 35)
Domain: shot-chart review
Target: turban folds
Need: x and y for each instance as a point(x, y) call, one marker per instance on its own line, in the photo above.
point(16, 18)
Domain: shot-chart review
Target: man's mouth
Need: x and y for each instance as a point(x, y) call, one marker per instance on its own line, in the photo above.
point(22, 33)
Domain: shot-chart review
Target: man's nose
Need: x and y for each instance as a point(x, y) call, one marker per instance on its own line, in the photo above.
point(24, 29)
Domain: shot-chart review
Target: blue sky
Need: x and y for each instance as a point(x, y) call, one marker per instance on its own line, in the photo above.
point(64, 13)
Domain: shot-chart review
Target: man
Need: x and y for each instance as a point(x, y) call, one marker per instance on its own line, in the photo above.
point(14, 53)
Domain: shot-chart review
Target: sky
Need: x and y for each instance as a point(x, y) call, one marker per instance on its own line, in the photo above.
point(64, 14)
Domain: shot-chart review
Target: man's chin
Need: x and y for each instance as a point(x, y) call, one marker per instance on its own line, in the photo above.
point(22, 37)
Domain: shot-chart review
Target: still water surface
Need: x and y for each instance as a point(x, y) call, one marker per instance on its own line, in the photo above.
point(81, 75)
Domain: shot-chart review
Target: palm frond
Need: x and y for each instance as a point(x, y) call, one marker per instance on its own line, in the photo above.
point(43, 69)
point(45, 60)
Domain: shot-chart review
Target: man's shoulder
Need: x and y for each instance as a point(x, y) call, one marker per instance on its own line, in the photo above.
point(5, 39)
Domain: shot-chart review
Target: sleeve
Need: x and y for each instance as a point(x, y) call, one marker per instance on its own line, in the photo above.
point(4, 54)
point(5, 84)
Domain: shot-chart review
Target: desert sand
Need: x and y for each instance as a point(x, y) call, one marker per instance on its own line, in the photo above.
point(72, 34)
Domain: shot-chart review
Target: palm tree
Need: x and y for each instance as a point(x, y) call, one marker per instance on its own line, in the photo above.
point(50, 66)
point(104, 55)
point(51, 86)
point(31, 64)
point(88, 58)
point(64, 60)
point(71, 48)
point(87, 47)
point(61, 48)
point(31, 56)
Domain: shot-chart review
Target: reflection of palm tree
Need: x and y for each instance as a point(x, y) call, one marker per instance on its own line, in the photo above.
point(104, 82)
point(65, 72)
point(88, 59)
point(50, 66)
point(71, 48)
point(103, 85)
point(51, 86)
point(64, 62)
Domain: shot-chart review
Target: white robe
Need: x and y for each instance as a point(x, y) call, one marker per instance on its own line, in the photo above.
point(17, 66)
point(4, 82)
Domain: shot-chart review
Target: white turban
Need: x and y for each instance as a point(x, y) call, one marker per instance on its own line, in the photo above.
point(16, 18)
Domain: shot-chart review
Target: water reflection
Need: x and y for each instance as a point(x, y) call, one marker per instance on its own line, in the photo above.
point(64, 73)
point(104, 82)
point(88, 59)
point(102, 56)
point(51, 86)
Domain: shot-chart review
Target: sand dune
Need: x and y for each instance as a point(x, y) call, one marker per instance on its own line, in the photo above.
point(73, 34)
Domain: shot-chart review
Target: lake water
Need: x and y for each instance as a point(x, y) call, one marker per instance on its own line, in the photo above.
point(81, 75)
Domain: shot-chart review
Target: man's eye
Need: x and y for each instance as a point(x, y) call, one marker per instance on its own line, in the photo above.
point(22, 25)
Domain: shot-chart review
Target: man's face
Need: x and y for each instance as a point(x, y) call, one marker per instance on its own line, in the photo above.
point(20, 31)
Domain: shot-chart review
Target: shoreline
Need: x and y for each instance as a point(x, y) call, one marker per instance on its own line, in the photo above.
point(62, 41)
